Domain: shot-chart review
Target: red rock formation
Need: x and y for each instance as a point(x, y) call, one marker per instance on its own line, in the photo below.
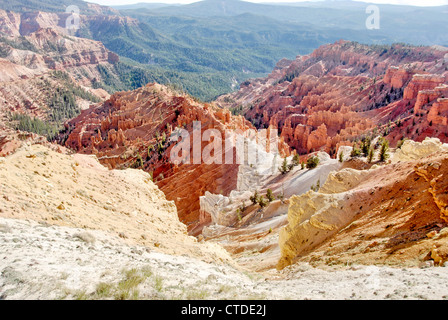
point(397, 77)
point(133, 124)
point(344, 90)
point(421, 82)
point(438, 114)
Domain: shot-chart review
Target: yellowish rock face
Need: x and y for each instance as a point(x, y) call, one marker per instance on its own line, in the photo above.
point(379, 215)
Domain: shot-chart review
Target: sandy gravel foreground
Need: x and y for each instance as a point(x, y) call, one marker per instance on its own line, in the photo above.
point(39, 261)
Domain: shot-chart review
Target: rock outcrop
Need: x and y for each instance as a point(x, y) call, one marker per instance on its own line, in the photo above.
point(379, 214)
point(411, 150)
point(397, 77)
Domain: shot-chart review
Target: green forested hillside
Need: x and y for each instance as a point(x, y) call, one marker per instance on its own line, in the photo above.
point(210, 56)
point(128, 75)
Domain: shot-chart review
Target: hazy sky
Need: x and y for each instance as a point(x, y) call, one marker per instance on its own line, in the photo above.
point(407, 2)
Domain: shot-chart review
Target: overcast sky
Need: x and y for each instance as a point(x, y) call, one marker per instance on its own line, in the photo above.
point(406, 2)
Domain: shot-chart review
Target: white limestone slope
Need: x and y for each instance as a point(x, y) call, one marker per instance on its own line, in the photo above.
point(263, 175)
point(248, 231)
point(42, 185)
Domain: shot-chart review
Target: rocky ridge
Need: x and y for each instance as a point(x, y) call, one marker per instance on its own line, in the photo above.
point(343, 90)
point(36, 46)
